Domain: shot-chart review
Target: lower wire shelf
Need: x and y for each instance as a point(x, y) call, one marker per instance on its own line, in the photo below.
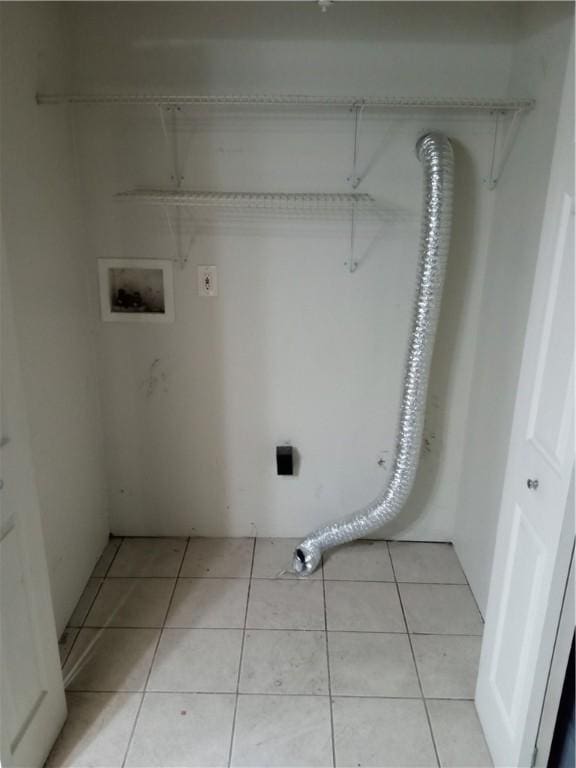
point(317, 202)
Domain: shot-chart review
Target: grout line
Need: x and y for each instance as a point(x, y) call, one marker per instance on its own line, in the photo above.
point(140, 578)
point(78, 631)
point(82, 624)
point(167, 628)
point(470, 588)
point(133, 729)
point(275, 629)
point(434, 583)
point(423, 699)
point(114, 556)
point(466, 581)
point(185, 539)
point(180, 578)
point(274, 695)
point(68, 629)
point(302, 579)
point(233, 731)
point(328, 665)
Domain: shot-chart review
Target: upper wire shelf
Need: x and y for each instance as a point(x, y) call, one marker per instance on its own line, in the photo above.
point(280, 100)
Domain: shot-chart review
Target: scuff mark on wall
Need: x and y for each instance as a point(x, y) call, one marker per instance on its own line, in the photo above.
point(428, 442)
point(383, 459)
point(156, 379)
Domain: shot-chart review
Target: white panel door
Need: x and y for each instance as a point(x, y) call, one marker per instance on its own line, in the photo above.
point(536, 528)
point(32, 704)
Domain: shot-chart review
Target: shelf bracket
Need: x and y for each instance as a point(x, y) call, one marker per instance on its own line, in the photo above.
point(171, 140)
point(352, 263)
point(501, 147)
point(175, 229)
point(357, 109)
point(170, 135)
point(377, 237)
point(357, 260)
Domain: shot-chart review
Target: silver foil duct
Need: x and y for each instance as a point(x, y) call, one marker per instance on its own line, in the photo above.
point(435, 153)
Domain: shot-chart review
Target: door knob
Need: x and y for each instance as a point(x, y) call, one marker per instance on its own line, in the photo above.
point(532, 484)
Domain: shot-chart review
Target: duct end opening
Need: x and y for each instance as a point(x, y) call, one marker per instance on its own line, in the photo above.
point(305, 560)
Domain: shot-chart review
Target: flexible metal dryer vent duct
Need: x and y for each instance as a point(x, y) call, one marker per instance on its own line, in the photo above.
point(435, 153)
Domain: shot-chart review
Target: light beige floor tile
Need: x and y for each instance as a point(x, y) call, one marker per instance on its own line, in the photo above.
point(110, 659)
point(85, 603)
point(447, 664)
point(372, 664)
point(366, 607)
point(284, 661)
point(359, 561)
point(182, 729)
point(272, 556)
point(458, 735)
point(209, 603)
point(440, 609)
point(103, 564)
point(66, 642)
point(211, 558)
point(426, 563)
point(285, 731)
point(197, 661)
point(148, 557)
point(384, 733)
point(97, 730)
point(286, 605)
point(131, 603)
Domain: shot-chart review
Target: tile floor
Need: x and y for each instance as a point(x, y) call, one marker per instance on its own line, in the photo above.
point(198, 653)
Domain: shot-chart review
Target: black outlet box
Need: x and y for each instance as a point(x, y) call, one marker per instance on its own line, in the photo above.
point(284, 460)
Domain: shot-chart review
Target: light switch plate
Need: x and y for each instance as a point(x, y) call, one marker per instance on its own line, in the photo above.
point(207, 281)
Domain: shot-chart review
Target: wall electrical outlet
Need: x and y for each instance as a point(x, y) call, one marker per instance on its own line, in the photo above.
point(207, 281)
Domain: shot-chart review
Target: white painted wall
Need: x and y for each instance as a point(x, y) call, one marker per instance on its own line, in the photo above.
point(54, 316)
point(294, 348)
point(538, 67)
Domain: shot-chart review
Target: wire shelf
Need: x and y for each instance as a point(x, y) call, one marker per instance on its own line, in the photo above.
point(297, 100)
point(262, 201)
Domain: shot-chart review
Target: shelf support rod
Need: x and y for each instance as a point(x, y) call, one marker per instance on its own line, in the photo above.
point(357, 109)
point(182, 255)
point(497, 163)
point(352, 259)
point(171, 141)
point(379, 234)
